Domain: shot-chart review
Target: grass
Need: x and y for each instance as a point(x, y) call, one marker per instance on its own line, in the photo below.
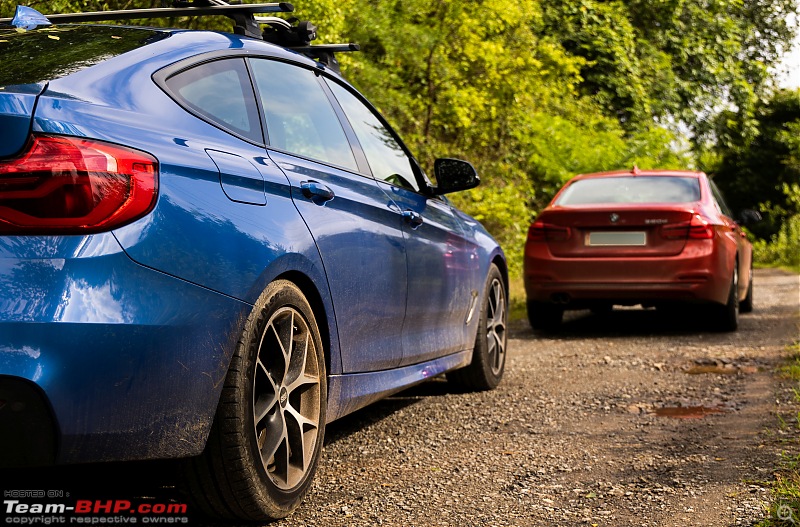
point(516, 300)
point(784, 510)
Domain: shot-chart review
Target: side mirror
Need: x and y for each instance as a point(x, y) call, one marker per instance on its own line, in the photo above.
point(453, 175)
point(749, 217)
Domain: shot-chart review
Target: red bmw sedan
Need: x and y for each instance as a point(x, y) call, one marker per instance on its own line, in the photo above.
point(656, 238)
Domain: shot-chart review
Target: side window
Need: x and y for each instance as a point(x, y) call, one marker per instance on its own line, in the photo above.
point(300, 118)
point(386, 158)
point(220, 92)
point(720, 201)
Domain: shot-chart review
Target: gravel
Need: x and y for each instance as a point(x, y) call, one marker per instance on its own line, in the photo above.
point(574, 434)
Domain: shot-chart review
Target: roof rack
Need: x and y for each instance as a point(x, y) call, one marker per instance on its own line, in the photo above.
point(293, 34)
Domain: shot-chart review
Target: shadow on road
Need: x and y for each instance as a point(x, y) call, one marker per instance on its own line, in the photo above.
point(623, 322)
point(380, 410)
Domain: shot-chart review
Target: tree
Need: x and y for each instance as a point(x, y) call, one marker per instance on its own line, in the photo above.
point(754, 172)
point(674, 60)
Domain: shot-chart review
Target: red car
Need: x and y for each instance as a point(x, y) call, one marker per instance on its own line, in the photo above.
point(658, 238)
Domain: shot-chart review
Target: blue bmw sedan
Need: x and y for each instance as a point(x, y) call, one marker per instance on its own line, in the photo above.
point(211, 246)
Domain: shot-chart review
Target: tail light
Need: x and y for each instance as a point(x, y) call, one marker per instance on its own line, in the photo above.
point(69, 185)
point(547, 232)
point(697, 229)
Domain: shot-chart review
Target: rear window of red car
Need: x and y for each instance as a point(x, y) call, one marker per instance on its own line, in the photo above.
point(631, 189)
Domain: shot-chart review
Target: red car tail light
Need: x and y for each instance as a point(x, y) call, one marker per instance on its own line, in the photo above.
point(547, 232)
point(69, 185)
point(696, 229)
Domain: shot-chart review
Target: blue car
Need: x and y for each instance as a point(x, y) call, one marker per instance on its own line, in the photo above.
point(211, 246)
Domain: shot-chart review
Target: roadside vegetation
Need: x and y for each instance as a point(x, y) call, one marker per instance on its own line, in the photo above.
point(784, 511)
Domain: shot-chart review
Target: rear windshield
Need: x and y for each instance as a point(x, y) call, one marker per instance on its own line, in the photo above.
point(49, 53)
point(633, 189)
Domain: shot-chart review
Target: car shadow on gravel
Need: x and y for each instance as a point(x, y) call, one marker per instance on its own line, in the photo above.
point(378, 411)
point(621, 322)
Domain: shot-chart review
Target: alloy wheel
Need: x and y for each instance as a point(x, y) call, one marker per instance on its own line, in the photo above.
point(287, 398)
point(496, 326)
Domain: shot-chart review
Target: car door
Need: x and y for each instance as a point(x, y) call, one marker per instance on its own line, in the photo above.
point(441, 264)
point(351, 219)
point(744, 249)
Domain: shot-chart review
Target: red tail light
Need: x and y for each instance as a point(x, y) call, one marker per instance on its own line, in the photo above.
point(547, 232)
point(68, 185)
point(696, 229)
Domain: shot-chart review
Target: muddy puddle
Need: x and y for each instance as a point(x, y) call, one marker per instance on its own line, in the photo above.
point(687, 412)
point(719, 367)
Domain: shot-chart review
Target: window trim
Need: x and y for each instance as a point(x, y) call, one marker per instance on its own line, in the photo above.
point(161, 77)
point(421, 179)
point(355, 148)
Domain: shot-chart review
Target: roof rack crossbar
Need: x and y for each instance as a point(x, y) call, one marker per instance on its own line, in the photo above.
point(237, 10)
point(293, 34)
point(325, 53)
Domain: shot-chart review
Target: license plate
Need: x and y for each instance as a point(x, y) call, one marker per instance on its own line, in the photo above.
point(609, 239)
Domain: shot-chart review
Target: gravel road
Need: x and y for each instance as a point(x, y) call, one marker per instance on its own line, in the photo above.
point(625, 419)
point(575, 433)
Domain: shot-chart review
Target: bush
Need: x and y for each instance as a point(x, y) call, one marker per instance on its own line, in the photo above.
point(783, 248)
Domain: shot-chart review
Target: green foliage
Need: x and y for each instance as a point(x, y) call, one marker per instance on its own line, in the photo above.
point(784, 510)
point(783, 248)
point(754, 170)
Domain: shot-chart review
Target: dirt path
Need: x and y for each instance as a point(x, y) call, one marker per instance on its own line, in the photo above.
point(573, 436)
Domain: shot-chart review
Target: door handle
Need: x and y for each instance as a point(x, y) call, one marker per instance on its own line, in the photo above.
point(412, 218)
point(315, 189)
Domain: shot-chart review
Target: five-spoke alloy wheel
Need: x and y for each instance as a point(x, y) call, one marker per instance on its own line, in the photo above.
point(266, 440)
point(489, 356)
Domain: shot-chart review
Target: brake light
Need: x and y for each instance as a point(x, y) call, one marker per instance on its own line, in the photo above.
point(696, 229)
point(547, 232)
point(69, 185)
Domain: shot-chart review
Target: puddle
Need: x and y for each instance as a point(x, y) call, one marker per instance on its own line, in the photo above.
point(687, 412)
point(719, 367)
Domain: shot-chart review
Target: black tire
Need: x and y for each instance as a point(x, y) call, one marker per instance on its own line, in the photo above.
point(602, 310)
point(727, 315)
point(746, 305)
point(544, 316)
point(260, 468)
point(489, 356)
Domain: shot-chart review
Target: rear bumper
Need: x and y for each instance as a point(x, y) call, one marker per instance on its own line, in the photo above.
point(108, 359)
point(701, 273)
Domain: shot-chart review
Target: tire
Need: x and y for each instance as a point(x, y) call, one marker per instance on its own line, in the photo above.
point(746, 305)
point(602, 310)
point(544, 316)
point(489, 355)
point(267, 436)
point(727, 318)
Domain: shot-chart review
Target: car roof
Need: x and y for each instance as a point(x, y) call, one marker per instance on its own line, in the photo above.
point(635, 171)
point(292, 35)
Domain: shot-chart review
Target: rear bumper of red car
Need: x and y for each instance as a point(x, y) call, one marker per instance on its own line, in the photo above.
point(701, 273)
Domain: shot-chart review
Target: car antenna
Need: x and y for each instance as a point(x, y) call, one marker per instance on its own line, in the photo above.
point(292, 33)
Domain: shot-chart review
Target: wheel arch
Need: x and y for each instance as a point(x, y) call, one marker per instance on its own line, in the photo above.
point(325, 323)
point(502, 265)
